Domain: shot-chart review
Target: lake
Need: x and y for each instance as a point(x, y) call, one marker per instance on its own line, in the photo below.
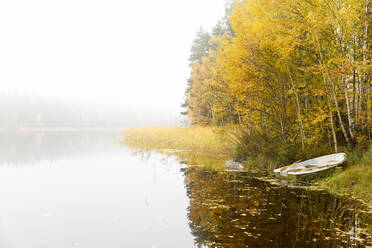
point(84, 189)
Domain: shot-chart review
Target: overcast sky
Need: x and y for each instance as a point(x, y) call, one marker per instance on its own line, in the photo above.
point(107, 51)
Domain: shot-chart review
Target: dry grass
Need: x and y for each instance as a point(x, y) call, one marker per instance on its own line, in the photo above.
point(212, 146)
point(207, 146)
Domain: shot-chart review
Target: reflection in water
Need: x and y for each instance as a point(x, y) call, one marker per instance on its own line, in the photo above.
point(95, 194)
point(98, 194)
point(235, 210)
point(27, 147)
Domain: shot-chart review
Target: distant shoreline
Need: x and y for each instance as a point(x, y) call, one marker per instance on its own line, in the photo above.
point(60, 129)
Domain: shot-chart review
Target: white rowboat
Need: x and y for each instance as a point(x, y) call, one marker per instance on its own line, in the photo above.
point(312, 165)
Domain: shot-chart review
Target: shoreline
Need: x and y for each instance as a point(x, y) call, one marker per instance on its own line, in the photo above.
point(351, 181)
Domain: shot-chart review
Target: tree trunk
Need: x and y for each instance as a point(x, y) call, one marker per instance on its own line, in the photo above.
point(349, 117)
point(354, 105)
point(333, 90)
point(282, 126)
point(333, 130)
point(365, 75)
point(330, 114)
point(298, 110)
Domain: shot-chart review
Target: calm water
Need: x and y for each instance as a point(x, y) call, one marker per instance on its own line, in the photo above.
point(83, 189)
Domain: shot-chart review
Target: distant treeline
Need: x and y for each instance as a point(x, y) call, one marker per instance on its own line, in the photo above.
point(28, 148)
point(290, 73)
point(20, 111)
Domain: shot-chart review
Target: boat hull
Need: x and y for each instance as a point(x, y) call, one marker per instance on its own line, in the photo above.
point(313, 165)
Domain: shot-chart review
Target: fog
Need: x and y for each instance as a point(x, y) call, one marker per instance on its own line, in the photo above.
point(99, 60)
point(19, 111)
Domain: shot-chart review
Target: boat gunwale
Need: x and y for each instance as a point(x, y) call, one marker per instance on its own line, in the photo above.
point(333, 161)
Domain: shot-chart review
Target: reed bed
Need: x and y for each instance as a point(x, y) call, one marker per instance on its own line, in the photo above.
point(206, 146)
point(211, 147)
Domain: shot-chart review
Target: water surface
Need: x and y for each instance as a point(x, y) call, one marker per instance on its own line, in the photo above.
point(237, 210)
point(83, 189)
point(61, 189)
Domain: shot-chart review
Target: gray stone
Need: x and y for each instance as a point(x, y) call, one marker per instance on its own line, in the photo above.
point(233, 165)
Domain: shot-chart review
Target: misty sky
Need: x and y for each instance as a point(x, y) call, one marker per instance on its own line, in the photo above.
point(107, 51)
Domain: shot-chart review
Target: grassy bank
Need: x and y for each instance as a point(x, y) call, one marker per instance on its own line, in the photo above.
point(355, 180)
point(212, 146)
point(206, 146)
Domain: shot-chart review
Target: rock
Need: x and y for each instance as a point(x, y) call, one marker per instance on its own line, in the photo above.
point(233, 165)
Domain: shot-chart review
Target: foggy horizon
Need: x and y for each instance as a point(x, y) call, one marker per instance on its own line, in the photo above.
point(119, 55)
point(21, 111)
point(185, 124)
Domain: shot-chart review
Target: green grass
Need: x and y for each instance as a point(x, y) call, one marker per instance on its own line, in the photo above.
point(356, 179)
point(207, 146)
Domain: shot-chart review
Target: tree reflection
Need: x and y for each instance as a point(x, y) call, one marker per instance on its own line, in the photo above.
point(235, 210)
